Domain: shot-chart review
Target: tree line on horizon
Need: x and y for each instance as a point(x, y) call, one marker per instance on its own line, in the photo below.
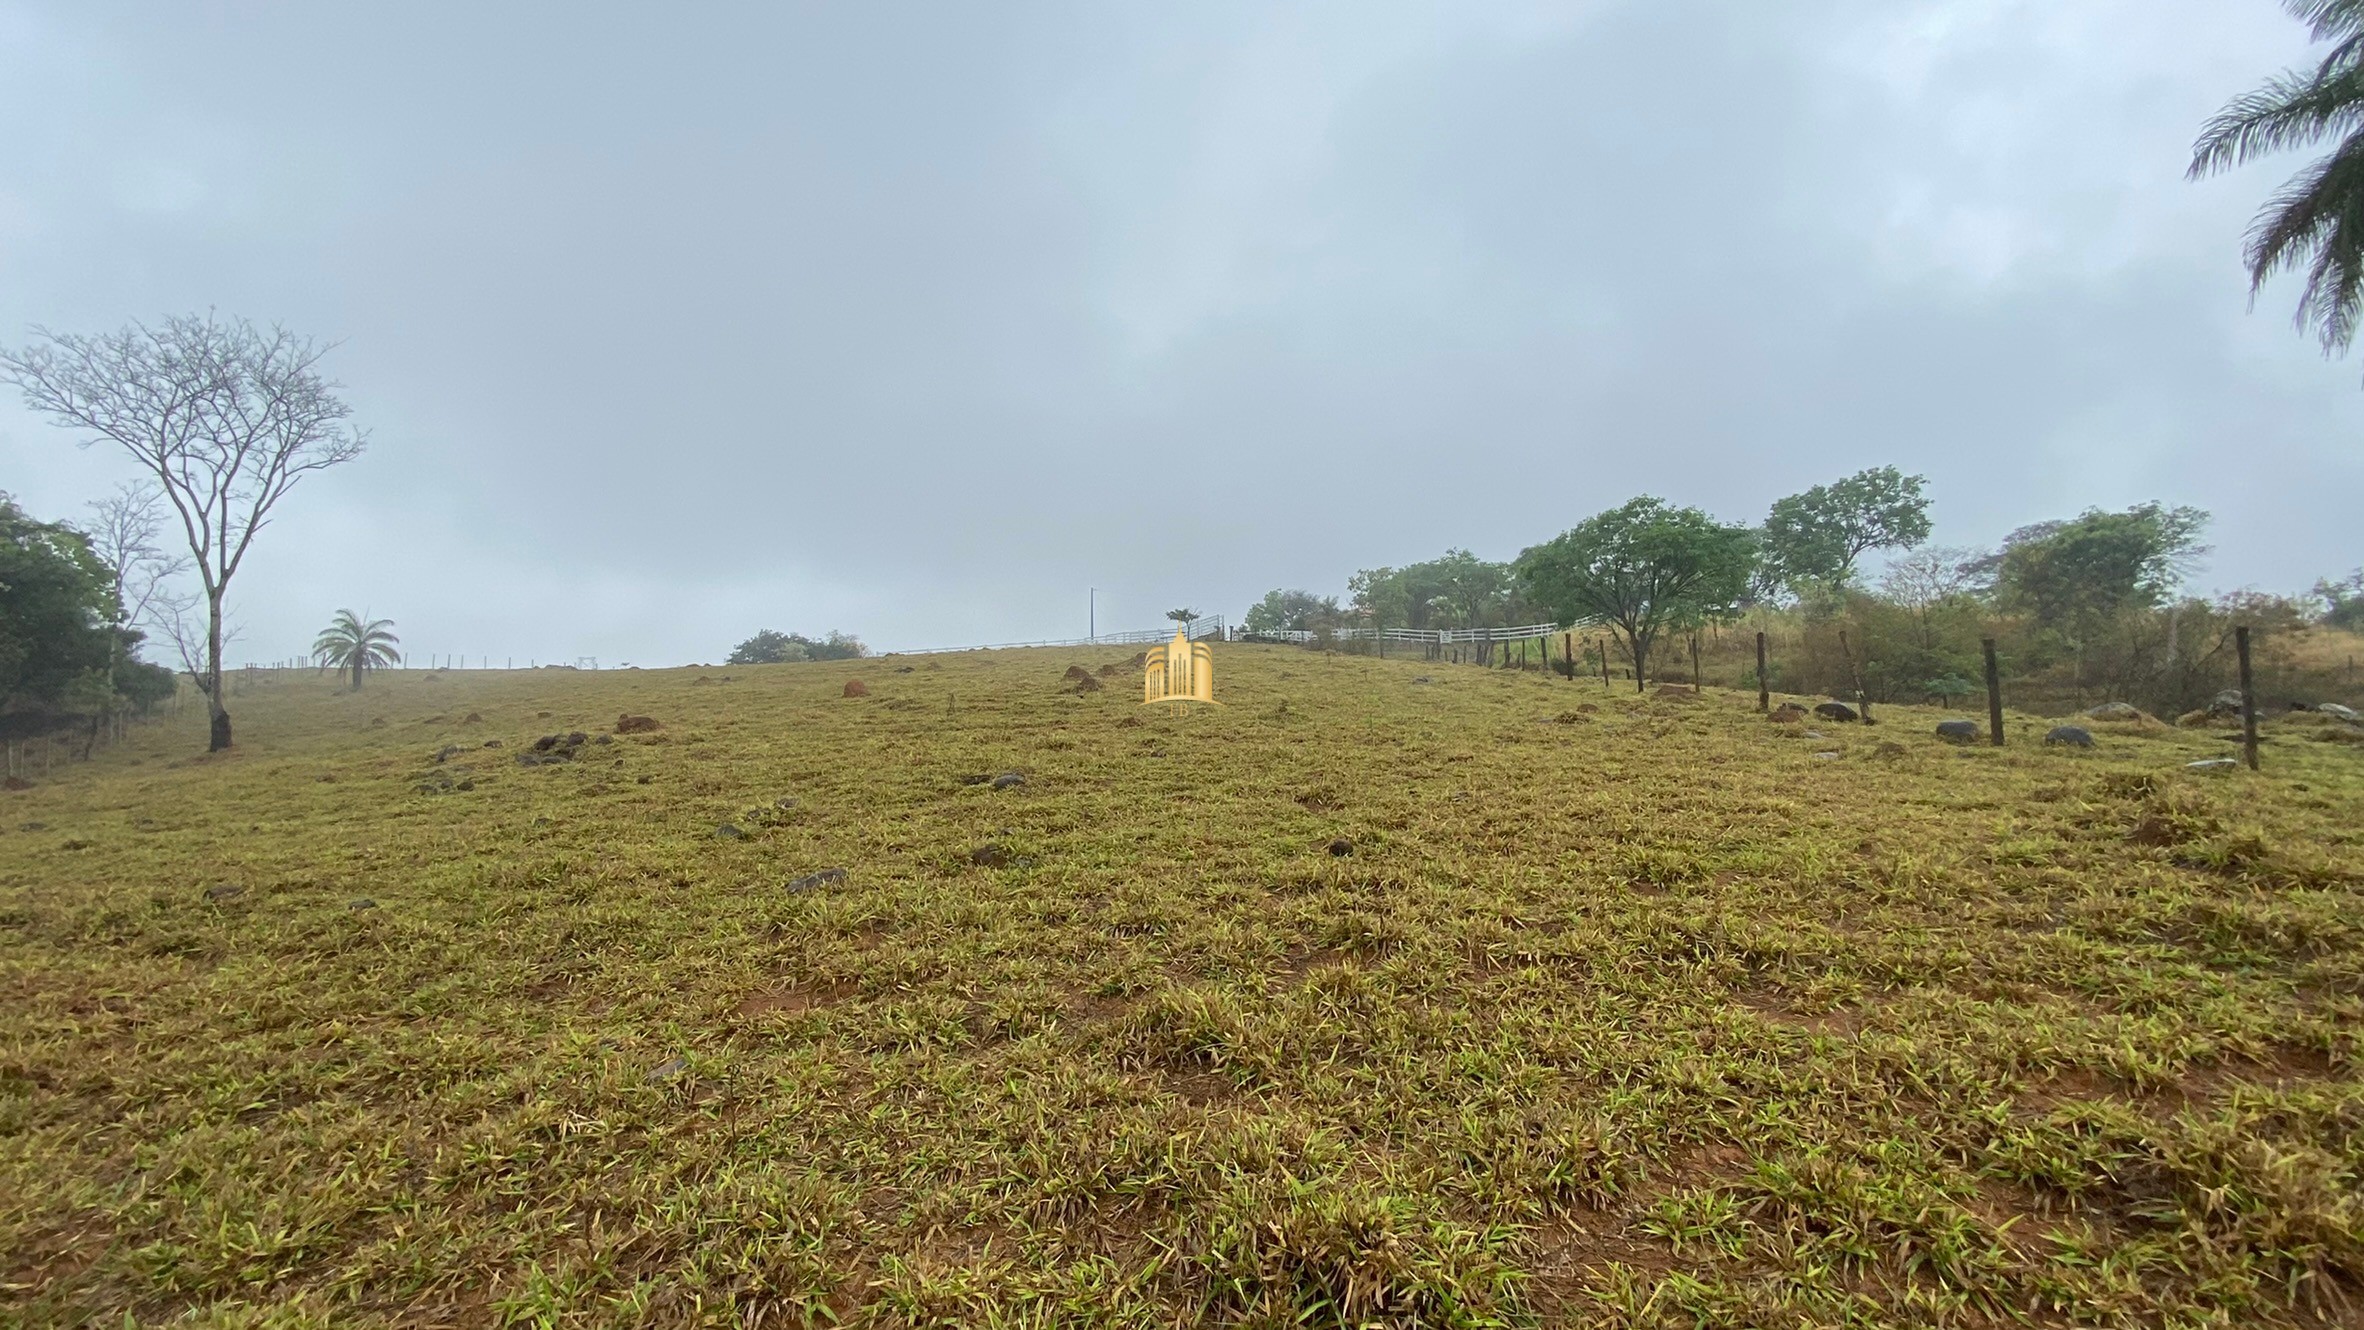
point(2100, 594)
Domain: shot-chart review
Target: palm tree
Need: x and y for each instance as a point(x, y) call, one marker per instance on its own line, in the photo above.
point(2317, 220)
point(352, 645)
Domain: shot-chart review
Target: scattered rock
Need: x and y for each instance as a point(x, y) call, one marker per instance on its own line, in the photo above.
point(1827, 755)
point(1008, 780)
point(1959, 731)
point(472, 718)
point(2114, 711)
point(2213, 764)
point(1889, 749)
point(492, 743)
point(603, 739)
point(642, 780)
point(826, 877)
point(905, 670)
point(466, 783)
point(989, 856)
point(1422, 678)
point(1836, 710)
point(448, 752)
point(668, 1069)
point(543, 715)
point(1788, 713)
point(32, 826)
point(2226, 703)
point(1587, 708)
point(2339, 712)
point(725, 831)
point(2071, 736)
point(856, 688)
point(361, 903)
point(1340, 848)
point(576, 738)
point(225, 892)
point(630, 724)
point(783, 803)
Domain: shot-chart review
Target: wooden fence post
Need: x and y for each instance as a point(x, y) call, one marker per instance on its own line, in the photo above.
point(1599, 646)
point(2248, 700)
point(1764, 690)
point(1994, 694)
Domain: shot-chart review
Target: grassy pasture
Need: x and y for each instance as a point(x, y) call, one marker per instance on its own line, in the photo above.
point(1620, 1011)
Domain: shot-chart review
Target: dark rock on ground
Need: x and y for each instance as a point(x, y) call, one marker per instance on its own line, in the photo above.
point(1836, 710)
point(631, 724)
point(361, 903)
point(1959, 731)
point(989, 856)
point(492, 743)
point(2069, 736)
point(1422, 678)
point(668, 1069)
point(1008, 780)
point(472, 718)
point(2213, 764)
point(2336, 711)
point(448, 752)
point(826, 877)
point(725, 831)
point(224, 892)
point(2114, 711)
point(1340, 848)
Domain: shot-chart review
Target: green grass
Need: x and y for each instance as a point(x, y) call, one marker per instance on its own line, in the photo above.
point(1621, 1011)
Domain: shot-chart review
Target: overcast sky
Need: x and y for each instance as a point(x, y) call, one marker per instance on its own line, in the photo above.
point(675, 322)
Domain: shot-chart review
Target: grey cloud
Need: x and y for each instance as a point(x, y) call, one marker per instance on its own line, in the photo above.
point(919, 321)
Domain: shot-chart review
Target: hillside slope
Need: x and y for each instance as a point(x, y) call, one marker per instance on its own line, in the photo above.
point(1388, 993)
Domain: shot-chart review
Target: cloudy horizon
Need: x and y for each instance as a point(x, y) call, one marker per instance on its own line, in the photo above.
point(921, 322)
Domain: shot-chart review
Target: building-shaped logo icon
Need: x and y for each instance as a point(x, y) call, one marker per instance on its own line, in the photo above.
point(1180, 671)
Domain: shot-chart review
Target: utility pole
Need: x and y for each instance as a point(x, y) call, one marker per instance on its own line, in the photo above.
point(1092, 619)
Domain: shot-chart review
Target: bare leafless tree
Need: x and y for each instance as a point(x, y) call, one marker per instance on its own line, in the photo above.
point(122, 533)
point(225, 416)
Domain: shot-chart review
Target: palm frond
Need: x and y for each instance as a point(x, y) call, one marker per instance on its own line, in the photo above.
point(2291, 111)
point(2317, 221)
point(2328, 19)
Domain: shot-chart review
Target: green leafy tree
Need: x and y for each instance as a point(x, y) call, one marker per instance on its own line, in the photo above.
point(1816, 537)
point(56, 610)
point(1292, 611)
point(2316, 222)
point(2343, 601)
point(2072, 576)
point(1457, 590)
point(770, 647)
point(1642, 568)
point(354, 646)
point(1183, 615)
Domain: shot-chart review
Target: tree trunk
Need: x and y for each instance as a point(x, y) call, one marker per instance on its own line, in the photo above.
point(219, 713)
point(1641, 651)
